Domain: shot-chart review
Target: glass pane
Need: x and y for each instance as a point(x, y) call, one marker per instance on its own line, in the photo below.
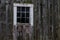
point(23, 14)
point(18, 14)
point(22, 20)
point(27, 14)
point(23, 9)
point(27, 9)
point(18, 19)
point(27, 20)
point(18, 8)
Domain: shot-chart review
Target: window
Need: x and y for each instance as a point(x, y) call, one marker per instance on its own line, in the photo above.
point(23, 13)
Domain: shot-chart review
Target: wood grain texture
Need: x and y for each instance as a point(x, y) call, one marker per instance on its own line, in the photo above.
point(46, 19)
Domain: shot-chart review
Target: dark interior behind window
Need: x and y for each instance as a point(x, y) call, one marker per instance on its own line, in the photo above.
point(23, 14)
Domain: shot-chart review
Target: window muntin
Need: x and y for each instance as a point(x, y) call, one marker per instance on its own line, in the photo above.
point(23, 14)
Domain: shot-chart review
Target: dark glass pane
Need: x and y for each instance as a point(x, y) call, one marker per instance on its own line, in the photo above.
point(23, 14)
point(18, 11)
point(18, 8)
point(27, 20)
point(27, 9)
point(18, 14)
point(22, 20)
point(23, 9)
point(27, 14)
point(18, 19)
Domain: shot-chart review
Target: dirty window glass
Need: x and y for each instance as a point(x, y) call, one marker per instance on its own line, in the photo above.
point(23, 14)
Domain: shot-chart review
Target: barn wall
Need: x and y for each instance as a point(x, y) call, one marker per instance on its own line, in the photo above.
point(58, 29)
point(43, 11)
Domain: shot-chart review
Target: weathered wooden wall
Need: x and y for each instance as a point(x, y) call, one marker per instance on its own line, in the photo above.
point(46, 19)
point(58, 29)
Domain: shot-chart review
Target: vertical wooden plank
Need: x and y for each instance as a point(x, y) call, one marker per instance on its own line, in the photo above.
point(59, 19)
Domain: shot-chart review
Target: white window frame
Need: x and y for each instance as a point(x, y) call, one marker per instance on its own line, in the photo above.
point(15, 12)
